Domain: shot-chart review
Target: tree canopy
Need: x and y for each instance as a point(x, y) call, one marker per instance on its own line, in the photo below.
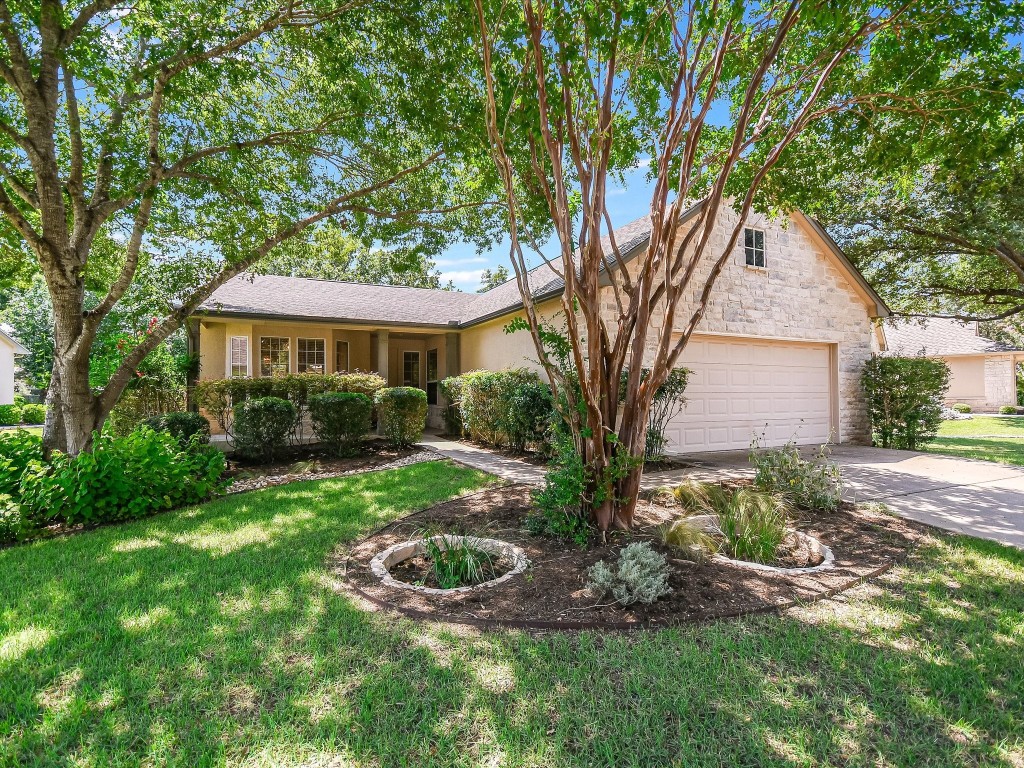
point(207, 134)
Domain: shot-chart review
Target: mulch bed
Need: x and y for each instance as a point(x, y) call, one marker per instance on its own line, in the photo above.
point(312, 463)
point(552, 595)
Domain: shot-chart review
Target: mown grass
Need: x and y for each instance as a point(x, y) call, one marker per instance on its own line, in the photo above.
point(982, 437)
point(213, 636)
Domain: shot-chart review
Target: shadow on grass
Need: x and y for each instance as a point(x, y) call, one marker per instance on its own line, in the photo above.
point(1005, 451)
point(213, 636)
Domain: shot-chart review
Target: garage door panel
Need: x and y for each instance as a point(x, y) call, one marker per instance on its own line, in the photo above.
point(740, 389)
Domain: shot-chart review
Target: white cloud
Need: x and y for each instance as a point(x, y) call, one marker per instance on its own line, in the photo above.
point(466, 278)
point(459, 262)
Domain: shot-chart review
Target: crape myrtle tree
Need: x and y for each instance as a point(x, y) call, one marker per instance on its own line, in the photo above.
point(202, 135)
point(712, 95)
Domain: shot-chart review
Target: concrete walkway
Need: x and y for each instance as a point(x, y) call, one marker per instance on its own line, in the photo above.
point(978, 498)
point(513, 470)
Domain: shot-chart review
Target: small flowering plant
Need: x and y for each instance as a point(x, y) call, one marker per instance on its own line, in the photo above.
point(815, 483)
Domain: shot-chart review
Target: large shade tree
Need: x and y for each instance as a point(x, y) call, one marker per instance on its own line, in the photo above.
point(713, 94)
point(930, 202)
point(207, 134)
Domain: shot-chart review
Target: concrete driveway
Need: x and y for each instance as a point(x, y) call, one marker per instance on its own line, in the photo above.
point(978, 498)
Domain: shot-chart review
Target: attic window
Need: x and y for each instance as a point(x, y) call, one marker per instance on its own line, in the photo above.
point(753, 246)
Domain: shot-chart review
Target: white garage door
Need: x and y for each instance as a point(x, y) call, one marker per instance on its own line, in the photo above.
point(742, 388)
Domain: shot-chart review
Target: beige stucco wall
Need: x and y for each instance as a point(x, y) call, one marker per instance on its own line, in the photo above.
point(966, 380)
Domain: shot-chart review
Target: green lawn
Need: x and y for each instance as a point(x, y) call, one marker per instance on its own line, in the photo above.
point(982, 437)
point(212, 636)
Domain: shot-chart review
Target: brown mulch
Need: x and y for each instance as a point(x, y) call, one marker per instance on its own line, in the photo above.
point(552, 594)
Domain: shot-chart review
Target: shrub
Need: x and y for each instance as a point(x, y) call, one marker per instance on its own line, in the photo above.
point(340, 420)
point(402, 413)
point(812, 484)
point(559, 504)
point(19, 400)
point(181, 425)
point(262, 427)
point(641, 575)
point(119, 479)
point(12, 525)
point(218, 397)
point(753, 524)
point(10, 415)
point(33, 413)
point(18, 449)
point(511, 407)
point(962, 408)
point(904, 397)
point(667, 403)
point(1010, 410)
point(455, 562)
point(451, 390)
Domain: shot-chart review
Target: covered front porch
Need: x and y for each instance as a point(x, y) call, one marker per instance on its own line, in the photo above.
point(403, 356)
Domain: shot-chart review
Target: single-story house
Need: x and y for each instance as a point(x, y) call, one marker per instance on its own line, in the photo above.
point(778, 353)
point(983, 372)
point(9, 347)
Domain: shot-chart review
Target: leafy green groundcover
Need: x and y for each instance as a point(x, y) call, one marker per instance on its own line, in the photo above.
point(212, 636)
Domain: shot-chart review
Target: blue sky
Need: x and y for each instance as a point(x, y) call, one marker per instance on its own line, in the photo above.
point(462, 264)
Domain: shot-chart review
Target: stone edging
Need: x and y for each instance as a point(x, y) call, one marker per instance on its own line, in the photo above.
point(383, 560)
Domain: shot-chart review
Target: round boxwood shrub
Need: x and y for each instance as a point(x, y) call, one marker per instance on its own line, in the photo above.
point(182, 425)
point(961, 407)
point(1011, 410)
point(10, 415)
point(262, 427)
point(33, 413)
point(340, 420)
point(402, 414)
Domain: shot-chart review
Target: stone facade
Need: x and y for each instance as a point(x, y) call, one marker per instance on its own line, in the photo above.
point(801, 294)
point(1000, 381)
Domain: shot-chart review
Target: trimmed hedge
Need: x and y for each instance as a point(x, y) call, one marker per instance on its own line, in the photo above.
point(263, 426)
point(33, 413)
point(904, 398)
point(219, 396)
point(341, 420)
point(182, 425)
point(402, 414)
point(121, 478)
point(507, 408)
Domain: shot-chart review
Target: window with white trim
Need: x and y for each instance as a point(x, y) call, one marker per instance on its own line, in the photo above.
point(312, 355)
point(753, 246)
point(238, 357)
point(274, 356)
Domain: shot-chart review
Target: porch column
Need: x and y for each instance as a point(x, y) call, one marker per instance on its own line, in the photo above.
point(382, 355)
point(452, 364)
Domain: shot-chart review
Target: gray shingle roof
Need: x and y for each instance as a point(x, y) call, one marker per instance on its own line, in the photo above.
point(939, 336)
point(305, 298)
point(300, 297)
point(295, 298)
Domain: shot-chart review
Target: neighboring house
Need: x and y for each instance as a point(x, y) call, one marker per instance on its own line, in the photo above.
point(779, 351)
point(9, 347)
point(983, 371)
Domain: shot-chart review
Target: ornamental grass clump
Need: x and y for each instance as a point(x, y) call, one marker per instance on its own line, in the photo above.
point(455, 562)
point(692, 540)
point(640, 576)
point(753, 525)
